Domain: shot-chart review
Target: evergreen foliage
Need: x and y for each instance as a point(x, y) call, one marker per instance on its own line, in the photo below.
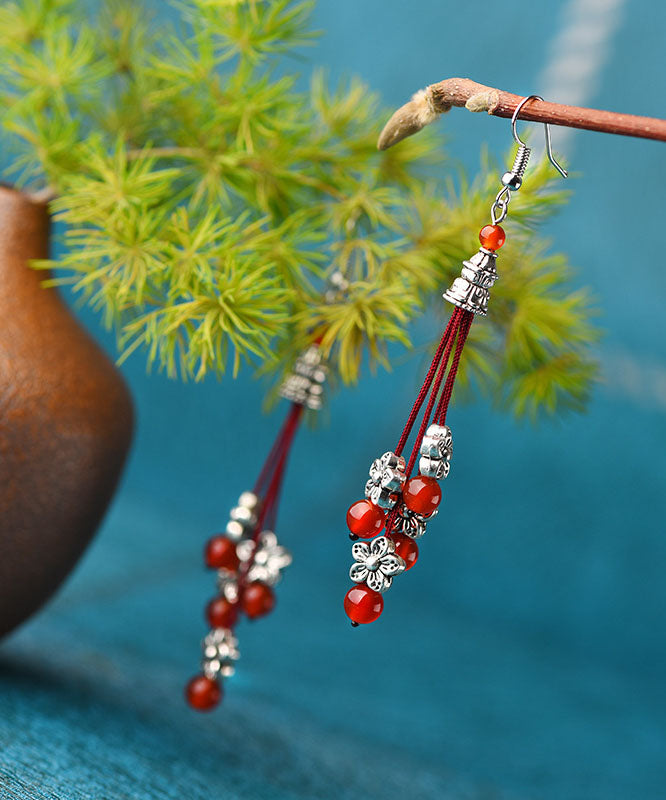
point(205, 199)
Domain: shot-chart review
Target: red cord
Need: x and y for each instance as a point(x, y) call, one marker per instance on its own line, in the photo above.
point(443, 405)
point(433, 395)
point(273, 469)
point(428, 382)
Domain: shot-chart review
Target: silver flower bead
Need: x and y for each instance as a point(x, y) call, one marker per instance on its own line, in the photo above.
point(411, 523)
point(269, 558)
point(220, 653)
point(375, 563)
point(387, 477)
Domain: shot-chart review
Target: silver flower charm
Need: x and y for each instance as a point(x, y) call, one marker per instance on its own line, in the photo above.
point(410, 523)
point(387, 476)
point(376, 563)
point(220, 653)
point(269, 558)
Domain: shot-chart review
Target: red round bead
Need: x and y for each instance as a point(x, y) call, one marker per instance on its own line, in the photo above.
point(257, 599)
point(492, 237)
point(220, 613)
point(365, 519)
point(406, 548)
point(363, 605)
point(203, 693)
point(422, 495)
point(221, 554)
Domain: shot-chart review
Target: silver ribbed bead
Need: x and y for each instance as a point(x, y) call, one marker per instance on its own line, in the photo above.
point(305, 384)
point(470, 290)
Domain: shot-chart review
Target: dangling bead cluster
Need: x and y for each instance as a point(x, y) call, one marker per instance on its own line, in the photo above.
point(247, 570)
point(248, 559)
point(397, 504)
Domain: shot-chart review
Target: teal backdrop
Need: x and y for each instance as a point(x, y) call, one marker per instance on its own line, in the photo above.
point(524, 657)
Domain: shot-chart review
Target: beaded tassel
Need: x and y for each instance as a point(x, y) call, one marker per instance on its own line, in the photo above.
point(396, 502)
point(247, 558)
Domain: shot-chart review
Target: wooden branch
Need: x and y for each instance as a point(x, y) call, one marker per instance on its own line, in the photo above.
point(439, 98)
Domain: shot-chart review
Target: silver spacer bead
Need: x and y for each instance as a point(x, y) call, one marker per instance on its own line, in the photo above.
point(434, 467)
point(387, 477)
point(243, 517)
point(435, 452)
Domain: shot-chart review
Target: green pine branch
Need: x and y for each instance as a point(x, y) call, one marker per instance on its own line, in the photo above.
point(205, 199)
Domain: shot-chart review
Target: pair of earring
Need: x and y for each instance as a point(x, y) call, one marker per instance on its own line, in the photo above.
point(385, 525)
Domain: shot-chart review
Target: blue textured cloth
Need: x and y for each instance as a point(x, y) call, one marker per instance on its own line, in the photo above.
point(524, 657)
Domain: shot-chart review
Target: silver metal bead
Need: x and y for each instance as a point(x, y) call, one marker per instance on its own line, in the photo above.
point(269, 558)
point(220, 653)
point(387, 477)
point(244, 515)
point(512, 180)
point(376, 563)
point(227, 583)
point(410, 523)
point(434, 467)
point(235, 530)
point(304, 386)
point(249, 500)
point(470, 291)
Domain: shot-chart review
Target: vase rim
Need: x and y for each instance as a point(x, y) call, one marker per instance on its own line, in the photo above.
point(32, 198)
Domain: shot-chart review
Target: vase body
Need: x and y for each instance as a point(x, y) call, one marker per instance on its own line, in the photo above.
point(65, 422)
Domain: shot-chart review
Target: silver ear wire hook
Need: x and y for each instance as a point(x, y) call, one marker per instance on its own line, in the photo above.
point(519, 141)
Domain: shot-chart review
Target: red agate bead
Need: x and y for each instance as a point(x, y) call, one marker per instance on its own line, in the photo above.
point(492, 237)
point(363, 605)
point(422, 495)
point(221, 554)
point(220, 613)
point(406, 548)
point(203, 693)
point(257, 599)
point(365, 519)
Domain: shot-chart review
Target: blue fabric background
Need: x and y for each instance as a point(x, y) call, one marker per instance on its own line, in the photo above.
point(524, 657)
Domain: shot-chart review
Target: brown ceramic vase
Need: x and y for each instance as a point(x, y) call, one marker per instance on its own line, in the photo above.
point(65, 422)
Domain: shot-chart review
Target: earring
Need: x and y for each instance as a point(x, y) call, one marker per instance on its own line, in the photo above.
point(247, 558)
point(397, 503)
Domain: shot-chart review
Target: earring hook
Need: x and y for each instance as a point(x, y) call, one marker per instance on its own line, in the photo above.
point(546, 126)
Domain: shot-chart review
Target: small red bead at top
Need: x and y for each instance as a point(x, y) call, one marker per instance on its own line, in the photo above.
point(422, 495)
point(257, 599)
point(492, 237)
point(363, 605)
point(203, 693)
point(220, 613)
point(365, 519)
point(406, 548)
point(221, 553)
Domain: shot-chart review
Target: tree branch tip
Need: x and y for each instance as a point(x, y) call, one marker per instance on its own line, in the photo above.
point(409, 119)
